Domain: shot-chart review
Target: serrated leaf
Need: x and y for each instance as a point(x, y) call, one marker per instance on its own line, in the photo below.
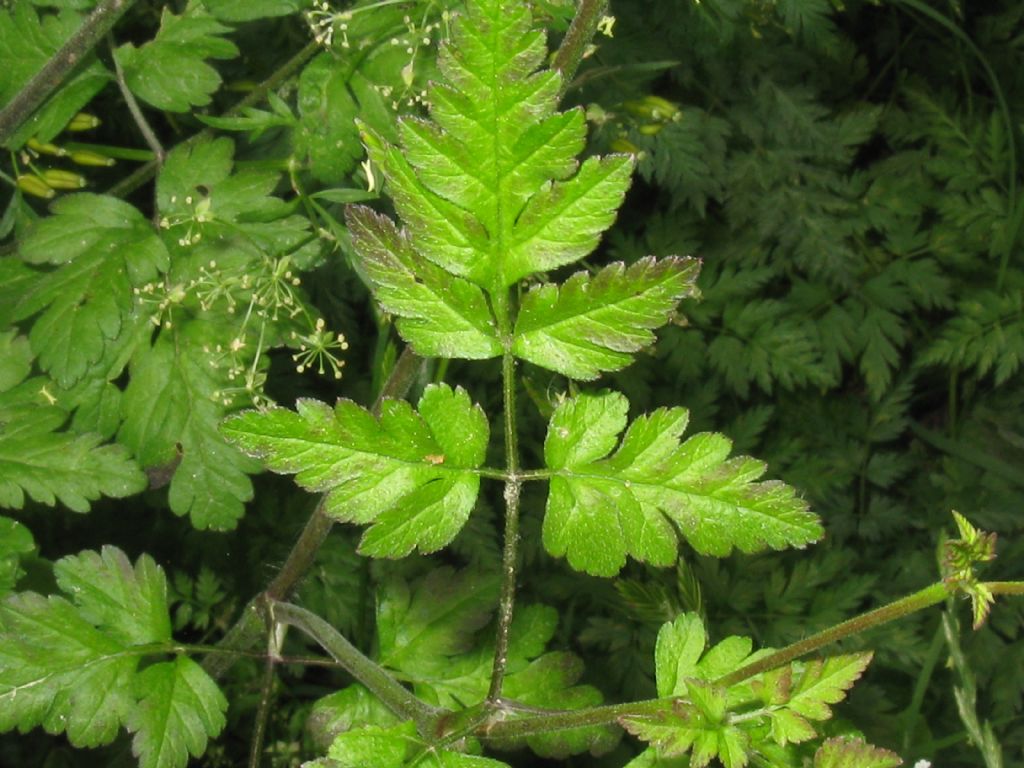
point(170, 72)
point(409, 473)
point(27, 41)
point(171, 417)
point(102, 249)
point(71, 665)
point(248, 10)
point(50, 466)
point(438, 314)
point(602, 507)
point(490, 190)
point(825, 681)
point(179, 709)
point(593, 324)
point(845, 752)
point(698, 727)
point(15, 540)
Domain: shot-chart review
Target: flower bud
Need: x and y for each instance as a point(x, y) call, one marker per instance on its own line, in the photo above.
point(83, 121)
point(60, 179)
point(88, 157)
point(35, 186)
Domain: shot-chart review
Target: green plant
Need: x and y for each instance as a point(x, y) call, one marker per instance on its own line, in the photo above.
point(190, 302)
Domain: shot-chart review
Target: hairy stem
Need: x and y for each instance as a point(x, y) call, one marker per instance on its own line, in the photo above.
point(48, 79)
point(259, 730)
point(393, 694)
point(510, 550)
point(574, 44)
point(897, 609)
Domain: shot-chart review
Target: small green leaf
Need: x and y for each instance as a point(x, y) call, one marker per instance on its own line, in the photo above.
point(130, 605)
point(825, 681)
point(594, 324)
point(15, 540)
point(179, 709)
point(410, 474)
point(170, 71)
point(601, 508)
point(102, 248)
point(439, 314)
point(698, 727)
point(844, 752)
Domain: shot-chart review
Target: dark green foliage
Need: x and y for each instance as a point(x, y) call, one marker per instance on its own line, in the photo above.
point(848, 179)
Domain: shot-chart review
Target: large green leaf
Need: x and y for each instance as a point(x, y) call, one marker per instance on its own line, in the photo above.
point(490, 189)
point(603, 506)
point(593, 324)
point(439, 314)
point(70, 664)
point(409, 473)
point(101, 248)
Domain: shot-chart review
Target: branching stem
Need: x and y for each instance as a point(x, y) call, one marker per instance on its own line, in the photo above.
point(393, 694)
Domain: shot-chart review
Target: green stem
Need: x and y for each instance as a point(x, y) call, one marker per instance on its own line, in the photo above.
point(510, 550)
point(377, 680)
point(574, 44)
point(70, 55)
point(913, 710)
point(148, 134)
point(897, 609)
point(259, 730)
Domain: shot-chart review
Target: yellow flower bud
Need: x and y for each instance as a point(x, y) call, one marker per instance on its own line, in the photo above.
point(45, 149)
point(88, 157)
point(35, 186)
point(83, 121)
point(60, 179)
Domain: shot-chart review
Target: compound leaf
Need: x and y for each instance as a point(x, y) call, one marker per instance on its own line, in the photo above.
point(409, 473)
point(397, 747)
point(438, 314)
point(102, 248)
point(490, 189)
point(71, 665)
point(602, 507)
point(170, 71)
point(593, 324)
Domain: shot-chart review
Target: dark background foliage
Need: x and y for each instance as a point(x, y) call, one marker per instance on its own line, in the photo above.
point(850, 176)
